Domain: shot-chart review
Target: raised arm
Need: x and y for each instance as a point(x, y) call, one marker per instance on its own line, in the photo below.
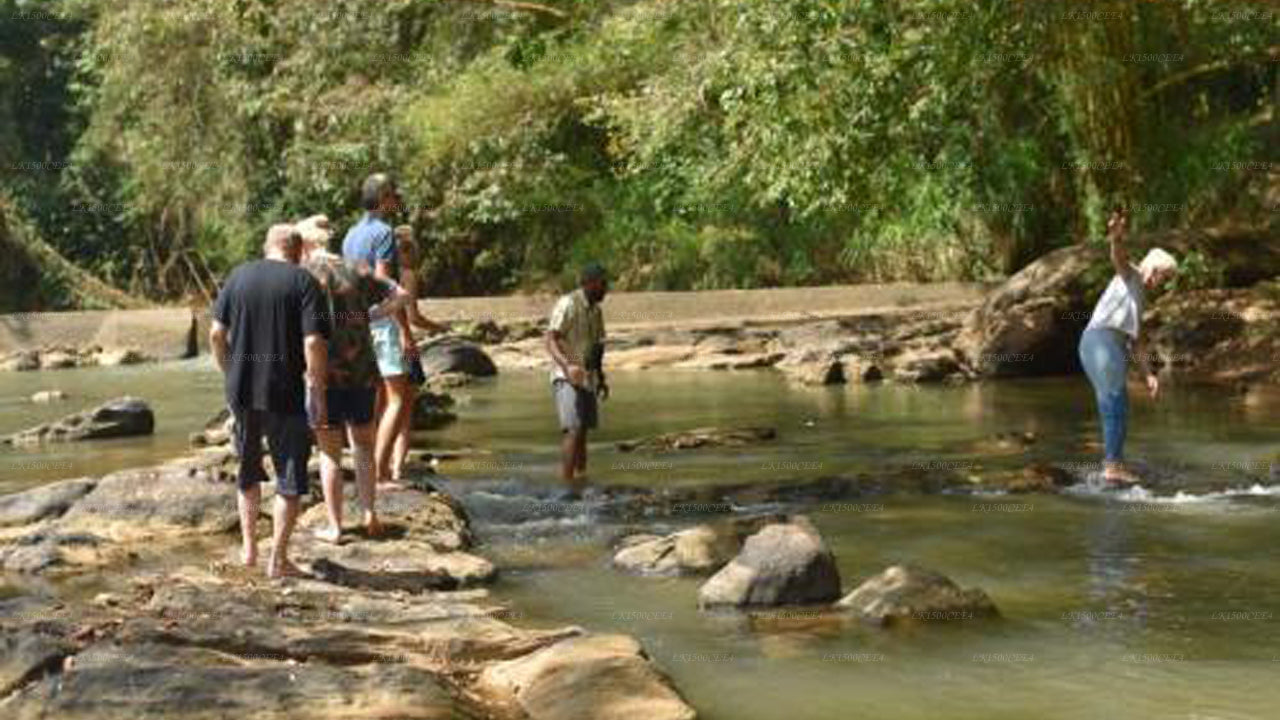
point(1117, 230)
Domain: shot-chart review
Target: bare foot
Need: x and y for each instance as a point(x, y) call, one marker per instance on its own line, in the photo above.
point(283, 569)
point(392, 484)
point(331, 535)
point(1119, 477)
point(372, 527)
point(249, 557)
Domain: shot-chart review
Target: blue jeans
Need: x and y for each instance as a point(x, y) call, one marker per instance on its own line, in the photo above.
point(1102, 353)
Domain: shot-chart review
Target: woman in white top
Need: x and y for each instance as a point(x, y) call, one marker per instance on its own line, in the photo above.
point(1114, 328)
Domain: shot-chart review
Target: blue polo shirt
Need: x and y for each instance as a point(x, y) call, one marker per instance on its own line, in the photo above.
point(370, 241)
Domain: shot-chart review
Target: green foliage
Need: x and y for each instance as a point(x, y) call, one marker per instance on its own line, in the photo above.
point(691, 144)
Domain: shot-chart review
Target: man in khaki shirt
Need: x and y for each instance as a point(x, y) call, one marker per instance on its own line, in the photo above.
point(575, 340)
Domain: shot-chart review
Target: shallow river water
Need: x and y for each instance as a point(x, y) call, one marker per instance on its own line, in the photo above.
point(1118, 606)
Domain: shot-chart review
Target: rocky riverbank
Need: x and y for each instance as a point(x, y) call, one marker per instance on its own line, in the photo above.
point(170, 625)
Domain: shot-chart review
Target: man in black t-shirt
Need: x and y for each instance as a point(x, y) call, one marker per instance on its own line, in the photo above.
point(269, 327)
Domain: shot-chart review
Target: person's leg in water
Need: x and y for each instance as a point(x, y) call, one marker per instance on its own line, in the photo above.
point(329, 441)
point(362, 442)
point(401, 451)
point(250, 500)
point(397, 387)
point(580, 453)
point(1104, 362)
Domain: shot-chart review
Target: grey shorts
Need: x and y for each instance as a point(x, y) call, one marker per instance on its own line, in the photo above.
point(577, 407)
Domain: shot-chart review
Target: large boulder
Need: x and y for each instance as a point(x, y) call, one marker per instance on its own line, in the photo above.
point(453, 355)
point(1031, 323)
point(911, 593)
point(783, 564)
point(122, 417)
point(584, 678)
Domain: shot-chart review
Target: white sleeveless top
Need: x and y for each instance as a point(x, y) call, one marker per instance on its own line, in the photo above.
point(1120, 307)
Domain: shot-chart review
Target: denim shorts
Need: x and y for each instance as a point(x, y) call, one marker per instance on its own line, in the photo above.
point(288, 440)
point(388, 348)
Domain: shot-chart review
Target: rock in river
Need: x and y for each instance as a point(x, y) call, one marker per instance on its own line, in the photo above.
point(783, 564)
point(449, 354)
point(907, 592)
point(122, 417)
point(586, 678)
point(694, 551)
point(700, 437)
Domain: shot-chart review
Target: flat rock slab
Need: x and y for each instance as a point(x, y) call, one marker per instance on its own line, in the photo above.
point(27, 654)
point(587, 678)
point(701, 437)
point(46, 501)
point(156, 681)
point(171, 499)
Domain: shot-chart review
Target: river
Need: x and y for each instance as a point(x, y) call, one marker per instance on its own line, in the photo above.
point(1114, 606)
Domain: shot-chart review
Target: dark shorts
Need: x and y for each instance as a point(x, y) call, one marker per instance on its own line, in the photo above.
point(289, 441)
point(577, 407)
point(350, 405)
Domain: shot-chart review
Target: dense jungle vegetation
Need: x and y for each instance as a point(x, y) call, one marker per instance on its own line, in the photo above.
point(687, 143)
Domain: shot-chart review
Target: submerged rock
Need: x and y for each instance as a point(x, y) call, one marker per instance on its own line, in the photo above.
point(47, 396)
point(911, 593)
point(782, 564)
point(431, 410)
point(596, 676)
point(122, 417)
point(700, 437)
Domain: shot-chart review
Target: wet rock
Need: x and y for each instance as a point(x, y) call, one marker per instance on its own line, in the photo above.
point(22, 360)
point(46, 501)
point(420, 550)
point(431, 410)
point(216, 432)
point(828, 371)
point(57, 360)
point(701, 437)
point(698, 550)
point(597, 676)
point(782, 564)
point(450, 355)
point(118, 356)
point(925, 365)
point(47, 549)
point(112, 682)
point(907, 592)
point(1031, 323)
point(48, 396)
point(122, 417)
point(168, 500)
point(26, 655)
point(485, 332)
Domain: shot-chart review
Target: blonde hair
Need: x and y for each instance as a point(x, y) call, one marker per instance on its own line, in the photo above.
point(282, 238)
point(315, 231)
point(1157, 260)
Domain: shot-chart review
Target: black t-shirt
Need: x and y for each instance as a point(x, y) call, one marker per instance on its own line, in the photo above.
point(269, 306)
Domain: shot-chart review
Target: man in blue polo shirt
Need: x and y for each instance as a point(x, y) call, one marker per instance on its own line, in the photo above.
point(370, 244)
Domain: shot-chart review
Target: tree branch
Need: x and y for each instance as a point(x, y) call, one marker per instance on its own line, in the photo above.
point(525, 6)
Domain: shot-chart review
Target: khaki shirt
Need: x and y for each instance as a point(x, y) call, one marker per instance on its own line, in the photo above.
point(580, 325)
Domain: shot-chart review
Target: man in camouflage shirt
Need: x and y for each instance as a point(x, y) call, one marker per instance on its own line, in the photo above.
point(352, 299)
